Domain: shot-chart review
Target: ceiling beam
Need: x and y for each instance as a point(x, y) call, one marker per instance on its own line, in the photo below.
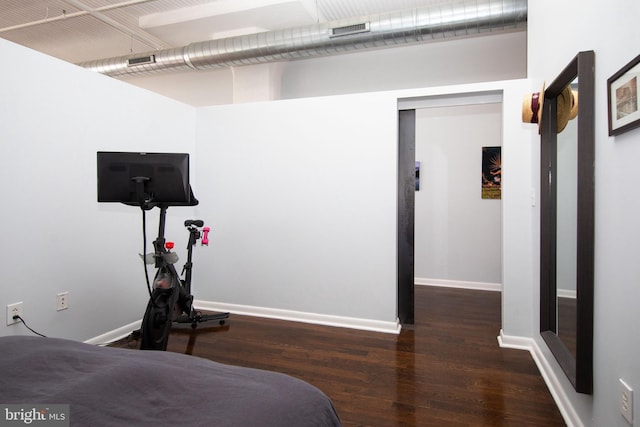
point(65, 15)
point(206, 10)
point(134, 32)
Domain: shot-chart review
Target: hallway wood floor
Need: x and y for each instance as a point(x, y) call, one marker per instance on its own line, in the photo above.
point(446, 370)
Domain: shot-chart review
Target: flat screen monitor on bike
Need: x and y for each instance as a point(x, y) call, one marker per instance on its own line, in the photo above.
point(144, 179)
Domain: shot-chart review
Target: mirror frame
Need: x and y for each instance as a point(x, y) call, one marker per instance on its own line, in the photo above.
point(579, 370)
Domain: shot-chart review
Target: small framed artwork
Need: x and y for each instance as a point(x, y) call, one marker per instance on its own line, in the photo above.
point(491, 172)
point(622, 94)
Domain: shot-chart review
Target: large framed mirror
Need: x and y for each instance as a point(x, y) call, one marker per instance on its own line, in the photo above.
point(567, 158)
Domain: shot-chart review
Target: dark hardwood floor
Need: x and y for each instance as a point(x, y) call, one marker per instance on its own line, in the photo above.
point(446, 370)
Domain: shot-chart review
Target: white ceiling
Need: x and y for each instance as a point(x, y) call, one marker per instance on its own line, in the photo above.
point(83, 30)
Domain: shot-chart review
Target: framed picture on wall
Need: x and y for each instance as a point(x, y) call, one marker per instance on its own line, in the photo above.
point(622, 95)
point(491, 172)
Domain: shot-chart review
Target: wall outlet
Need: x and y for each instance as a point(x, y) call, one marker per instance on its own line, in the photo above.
point(14, 309)
point(626, 401)
point(62, 301)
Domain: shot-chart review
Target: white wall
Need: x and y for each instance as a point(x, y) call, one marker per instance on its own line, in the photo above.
point(458, 235)
point(301, 195)
point(557, 31)
point(441, 63)
point(53, 118)
point(212, 87)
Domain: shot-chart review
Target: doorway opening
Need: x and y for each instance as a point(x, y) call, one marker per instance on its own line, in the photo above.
point(448, 235)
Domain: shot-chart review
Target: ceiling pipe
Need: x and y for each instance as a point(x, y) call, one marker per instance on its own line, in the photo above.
point(468, 18)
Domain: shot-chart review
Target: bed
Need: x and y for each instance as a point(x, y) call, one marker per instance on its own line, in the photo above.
point(107, 386)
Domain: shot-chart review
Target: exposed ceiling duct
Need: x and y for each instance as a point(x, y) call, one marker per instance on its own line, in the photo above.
point(468, 18)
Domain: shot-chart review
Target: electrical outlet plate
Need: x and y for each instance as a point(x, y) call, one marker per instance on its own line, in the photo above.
point(626, 401)
point(62, 301)
point(14, 309)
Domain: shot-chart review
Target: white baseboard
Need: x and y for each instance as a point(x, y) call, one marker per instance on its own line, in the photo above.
point(115, 334)
point(548, 374)
point(299, 316)
point(479, 286)
point(246, 310)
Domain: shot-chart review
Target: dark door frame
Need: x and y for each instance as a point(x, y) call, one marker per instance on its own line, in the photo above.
point(406, 187)
point(406, 214)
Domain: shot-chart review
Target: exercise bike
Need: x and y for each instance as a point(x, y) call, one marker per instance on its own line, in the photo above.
point(170, 299)
point(149, 180)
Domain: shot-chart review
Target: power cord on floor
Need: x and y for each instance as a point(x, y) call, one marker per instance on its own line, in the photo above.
point(17, 317)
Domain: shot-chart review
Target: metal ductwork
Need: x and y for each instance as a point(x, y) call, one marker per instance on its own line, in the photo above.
point(468, 18)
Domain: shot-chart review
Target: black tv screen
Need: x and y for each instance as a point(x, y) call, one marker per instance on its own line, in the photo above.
point(144, 179)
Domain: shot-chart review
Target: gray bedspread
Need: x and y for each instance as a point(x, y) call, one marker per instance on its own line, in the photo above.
point(107, 386)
